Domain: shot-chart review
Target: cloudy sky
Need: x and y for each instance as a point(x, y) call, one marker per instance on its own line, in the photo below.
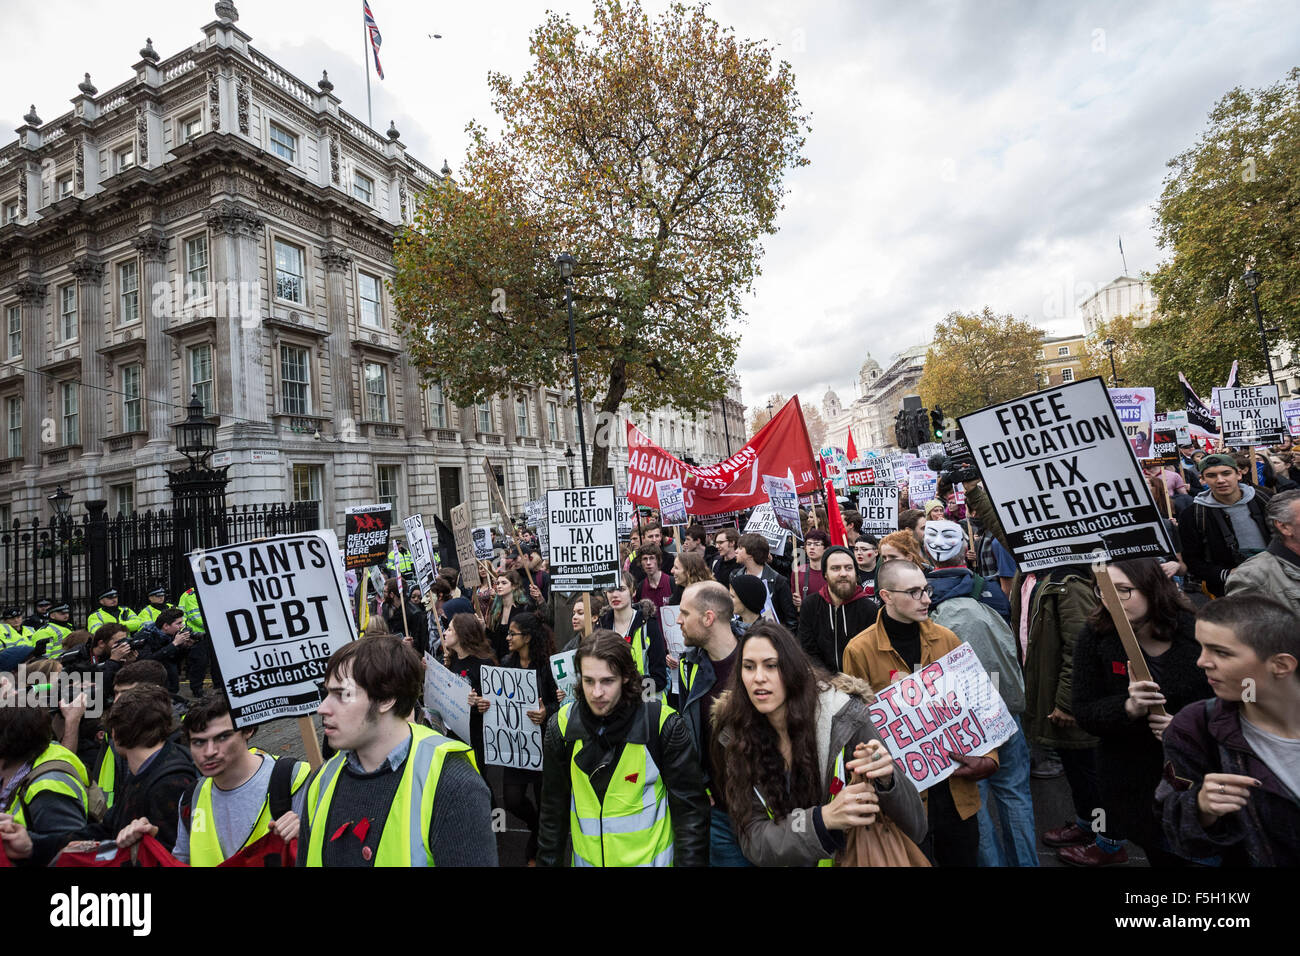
point(963, 154)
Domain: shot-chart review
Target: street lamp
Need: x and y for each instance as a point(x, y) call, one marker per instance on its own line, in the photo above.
point(61, 502)
point(568, 455)
point(196, 437)
point(566, 263)
point(1110, 351)
point(1251, 278)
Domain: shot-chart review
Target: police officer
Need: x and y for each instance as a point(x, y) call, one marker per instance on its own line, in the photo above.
point(41, 616)
point(55, 630)
point(109, 611)
point(157, 604)
point(620, 776)
point(13, 632)
point(198, 654)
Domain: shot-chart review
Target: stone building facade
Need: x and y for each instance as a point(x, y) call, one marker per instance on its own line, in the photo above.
point(216, 226)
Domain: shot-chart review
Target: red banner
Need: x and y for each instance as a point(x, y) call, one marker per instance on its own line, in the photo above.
point(780, 445)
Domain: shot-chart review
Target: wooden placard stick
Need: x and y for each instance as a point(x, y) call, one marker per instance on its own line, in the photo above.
point(1254, 480)
point(1137, 661)
point(586, 614)
point(309, 742)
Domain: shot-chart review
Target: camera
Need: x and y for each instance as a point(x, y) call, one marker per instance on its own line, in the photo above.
point(953, 471)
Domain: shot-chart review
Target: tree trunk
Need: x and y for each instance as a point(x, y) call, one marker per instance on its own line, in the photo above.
point(603, 437)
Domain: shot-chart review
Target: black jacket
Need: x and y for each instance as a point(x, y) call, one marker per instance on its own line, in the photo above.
point(656, 668)
point(1129, 756)
point(674, 753)
point(825, 630)
point(778, 585)
point(723, 569)
point(155, 794)
point(1209, 544)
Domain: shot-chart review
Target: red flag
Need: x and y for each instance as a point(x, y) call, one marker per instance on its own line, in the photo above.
point(852, 449)
point(834, 519)
point(781, 445)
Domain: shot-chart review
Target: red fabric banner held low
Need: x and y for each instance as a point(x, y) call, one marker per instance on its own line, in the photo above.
point(780, 445)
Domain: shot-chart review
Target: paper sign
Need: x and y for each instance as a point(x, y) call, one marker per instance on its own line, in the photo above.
point(1291, 416)
point(763, 521)
point(510, 738)
point(1178, 421)
point(1136, 408)
point(673, 638)
point(716, 522)
point(584, 538)
point(276, 610)
point(672, 501)
point(949, 706)
point(564, 668)
point(482, 537)
point(926, 449)
point(878, 506)
point(365, 538)
point(785, 503)
point(626, 517)
point(447, 694)
point(1063, 478)
point(417, 542)
point(464, 535)
point(922, 486)
point(1251, 415)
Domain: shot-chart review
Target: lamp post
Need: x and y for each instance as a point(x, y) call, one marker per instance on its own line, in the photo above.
point(568, 455)
point(1251, 278)
point(566, 263)
point(198, 491)
point(1110, 351)
point(61, 501)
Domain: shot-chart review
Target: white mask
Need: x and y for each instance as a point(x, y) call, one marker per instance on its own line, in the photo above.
point(944, 540)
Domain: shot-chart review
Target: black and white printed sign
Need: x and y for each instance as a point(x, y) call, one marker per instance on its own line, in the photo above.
point(1064, 479)
point(1251, 416)
point(584, 538)
point(276, 610)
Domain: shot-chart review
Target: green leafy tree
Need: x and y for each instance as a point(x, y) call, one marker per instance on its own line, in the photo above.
point(654, 154)
point(1229, 203)
point(979, 359)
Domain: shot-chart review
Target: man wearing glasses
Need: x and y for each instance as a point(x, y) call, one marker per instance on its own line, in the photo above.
point(902, 640)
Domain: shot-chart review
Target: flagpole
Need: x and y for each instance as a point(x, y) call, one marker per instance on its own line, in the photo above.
point(365, 55)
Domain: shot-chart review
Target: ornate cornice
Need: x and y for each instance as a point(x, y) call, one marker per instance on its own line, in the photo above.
point(153, 246)
point(335, 257)
point(236, 219)
point(30, 292)
point(88, 269)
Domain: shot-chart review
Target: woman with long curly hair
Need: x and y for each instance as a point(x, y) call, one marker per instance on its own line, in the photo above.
point(511, 597)
point(530, 647)
point(688, 569)
point(788, 740)
point(1110, 704)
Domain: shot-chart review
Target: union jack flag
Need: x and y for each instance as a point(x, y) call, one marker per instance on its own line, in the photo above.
point(375, 39)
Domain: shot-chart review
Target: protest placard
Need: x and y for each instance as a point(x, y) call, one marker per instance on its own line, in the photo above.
point(365, 535)
point(417, 542)
point(584, 538)
point(922, 486)
point(1164, 446)
point(1064, 480)
point(537, 519)
point(947, 707)
point(1251, 415)
point(482, 538)
point(712, 523)
point(1136, 408)
point(957, 448)
point(926, 449)
point(626, 517)
point(785, 503)
point(878, 506)
point(1291, 416)
point(672, 501)
point(763, 521)
point(1177, 420)
point(275, 609)
point(564, 668)
point(861, 477)
point(673, 638)
point(510, 738)
point(464, 535)
point(447, 695)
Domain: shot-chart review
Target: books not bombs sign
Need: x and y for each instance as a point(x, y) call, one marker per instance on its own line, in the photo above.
point(1064, 480)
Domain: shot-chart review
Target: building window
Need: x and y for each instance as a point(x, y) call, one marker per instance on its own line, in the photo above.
point(124, 158)
point(307, 482)
point(368, 287)
point(64, 187)
point(190, 127)
point(67, 312)
point(15, 326)
point(521, 416)
point(14, 416)
point(437, 406)
point(295, 380)
point(71, 403)
point(1067, 375)
point(485, 416)
point(363, 187)
point(1062, 350)
point(10, 213)
point(534, 482)
point(132, 402)
point(561, 477)
point(289, 271)
point(553, 421)
point(128, 291)
point(196, 268)
point(124, 498)
point(283, 143)
point(387, 481)
point(376, 392)
point(200, 362)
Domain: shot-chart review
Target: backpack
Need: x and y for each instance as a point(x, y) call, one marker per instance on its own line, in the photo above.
point(279, 792)
point(96, 801)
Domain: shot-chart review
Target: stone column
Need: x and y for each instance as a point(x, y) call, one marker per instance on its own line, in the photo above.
point(239, 354)
point(337, 262)
point(412, 398)
point(89, 273)
point(31, 298)
point(155, 307)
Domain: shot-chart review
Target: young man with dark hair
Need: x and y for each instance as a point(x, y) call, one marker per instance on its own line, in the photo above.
point(1225, 524)
point(364, 806)
point(655, 586)
point(43, 798)
point(621, 779)
point(1232, 774)
point(158, 771)
point(725, 539)
point(696, 541)
point(166, 639)
point(243, 795)
point(651, 534)
point(752, 552)
point(1276, 571)
point(837, 613)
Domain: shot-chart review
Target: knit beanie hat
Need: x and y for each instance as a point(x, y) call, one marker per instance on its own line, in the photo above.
point(839, 549)
point(751, 592)
point(1220, 461)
